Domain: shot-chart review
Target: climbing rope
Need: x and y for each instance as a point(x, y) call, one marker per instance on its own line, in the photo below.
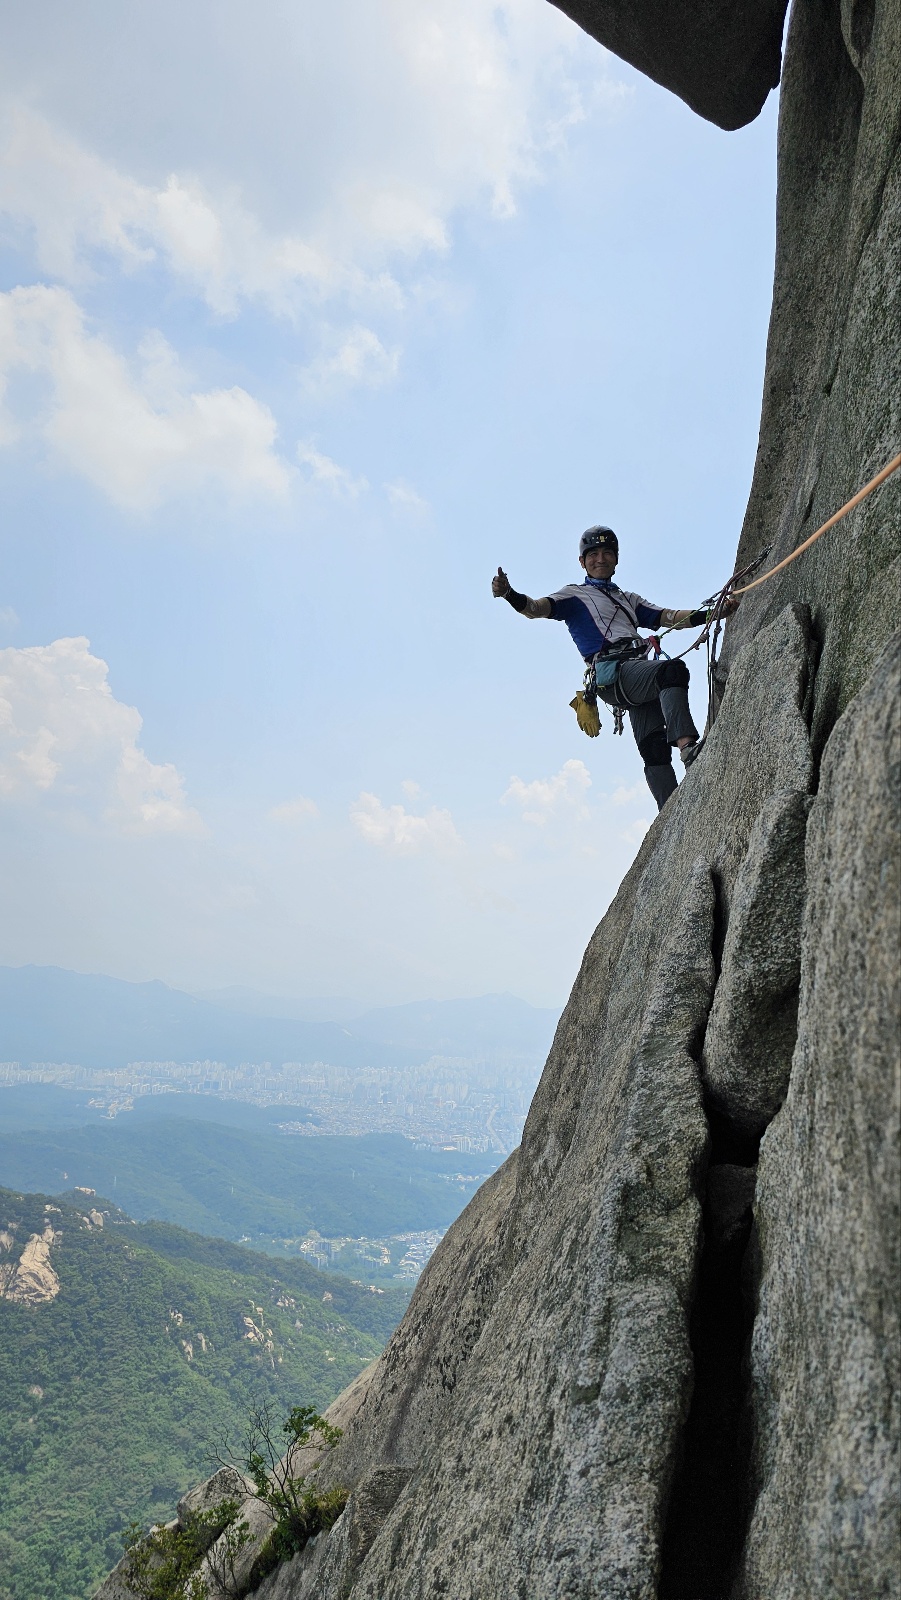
point(712, 628)
point(830, 523)
point(585, 702)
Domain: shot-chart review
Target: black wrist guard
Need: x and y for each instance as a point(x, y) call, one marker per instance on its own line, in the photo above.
point(698, 617)
point(516, 600)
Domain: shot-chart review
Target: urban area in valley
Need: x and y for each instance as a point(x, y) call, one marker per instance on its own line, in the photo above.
point(447, 1103)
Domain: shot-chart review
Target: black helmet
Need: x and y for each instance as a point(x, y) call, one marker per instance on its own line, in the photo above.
point(598, 538)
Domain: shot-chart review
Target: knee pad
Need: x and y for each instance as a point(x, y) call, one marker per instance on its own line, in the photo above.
point(673, 675)
point(654, 749)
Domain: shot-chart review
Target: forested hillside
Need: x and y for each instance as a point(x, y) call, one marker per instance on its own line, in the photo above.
point(246, 1181)
point(126, 1355)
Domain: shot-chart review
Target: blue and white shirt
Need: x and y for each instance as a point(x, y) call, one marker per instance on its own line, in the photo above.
point(598, 614)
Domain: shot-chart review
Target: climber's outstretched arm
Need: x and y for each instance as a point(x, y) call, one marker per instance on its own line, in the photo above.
point(501, 589)
point(695, 619)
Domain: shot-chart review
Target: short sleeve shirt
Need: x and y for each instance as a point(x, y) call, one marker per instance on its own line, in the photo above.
point(598, 614)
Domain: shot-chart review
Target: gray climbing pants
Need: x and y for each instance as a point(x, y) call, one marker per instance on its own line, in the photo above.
point(655, 693)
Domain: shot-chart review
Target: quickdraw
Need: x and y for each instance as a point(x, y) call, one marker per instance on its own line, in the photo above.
point(713, 626)
point(737, 586)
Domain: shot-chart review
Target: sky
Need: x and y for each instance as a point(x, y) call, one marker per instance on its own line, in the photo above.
point(309, 318)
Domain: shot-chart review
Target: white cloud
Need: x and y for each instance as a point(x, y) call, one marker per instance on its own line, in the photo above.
point(83, 213)
point(635, 832)
point(312, 155)
point(360, 359)
point(316, 168)
point(545, 798)
point(294, 811)
point(63, 732)
point(139, 438)
point(404, 498)
point(637, 795)
point(328, 475)
point(401, 832)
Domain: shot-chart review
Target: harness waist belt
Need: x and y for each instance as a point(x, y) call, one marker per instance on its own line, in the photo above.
point(606, 666)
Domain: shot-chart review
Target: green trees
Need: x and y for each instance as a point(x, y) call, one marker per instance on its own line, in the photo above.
point(111, 1393)
point(298, 1508)
point(168, 1562)
point(163, 1564)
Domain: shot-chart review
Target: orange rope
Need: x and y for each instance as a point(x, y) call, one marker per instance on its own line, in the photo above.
point(836, 517)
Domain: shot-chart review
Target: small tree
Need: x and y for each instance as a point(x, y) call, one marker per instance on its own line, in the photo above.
point(165, 1564)
point(162, 1564)
point(299, 1509)
point(222, 1556)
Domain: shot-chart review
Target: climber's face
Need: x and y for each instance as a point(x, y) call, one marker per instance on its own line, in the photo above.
point(600, 563)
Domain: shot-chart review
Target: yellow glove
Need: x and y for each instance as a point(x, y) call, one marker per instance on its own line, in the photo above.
point(586, 715)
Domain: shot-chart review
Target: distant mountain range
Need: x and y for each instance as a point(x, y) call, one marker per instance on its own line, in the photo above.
point(255, 1003)
point(50, 1014)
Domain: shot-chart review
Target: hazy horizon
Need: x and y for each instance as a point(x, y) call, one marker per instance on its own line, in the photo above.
point(252, 993)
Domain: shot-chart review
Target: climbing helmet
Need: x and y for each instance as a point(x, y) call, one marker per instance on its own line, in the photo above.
point(598, 538)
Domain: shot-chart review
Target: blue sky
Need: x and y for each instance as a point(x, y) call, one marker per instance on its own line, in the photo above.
point(308, 320)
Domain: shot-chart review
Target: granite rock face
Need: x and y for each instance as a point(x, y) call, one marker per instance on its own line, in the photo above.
point(226, 1484)
point(827, 1342)
point(641, 1364)
point(565, 1409)
point(536, 1395)
point(593, 1321)
point(832, 400)
point(720, 56)
point(754, 1020)
point(329, 1565)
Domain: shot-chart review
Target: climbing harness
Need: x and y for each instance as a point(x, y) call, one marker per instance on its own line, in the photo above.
point(600, 673)
point(585, 702)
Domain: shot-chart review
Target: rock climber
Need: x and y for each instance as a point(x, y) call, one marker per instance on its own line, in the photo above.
point(604, 621)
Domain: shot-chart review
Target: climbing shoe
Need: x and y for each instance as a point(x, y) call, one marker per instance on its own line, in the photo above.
point(691, 752)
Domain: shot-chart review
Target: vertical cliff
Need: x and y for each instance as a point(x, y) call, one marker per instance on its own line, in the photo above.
point(657, 1355)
